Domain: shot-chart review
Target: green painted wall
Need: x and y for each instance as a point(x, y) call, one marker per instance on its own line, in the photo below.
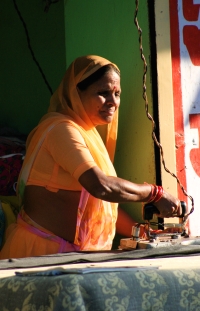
point(24, 96)
point(73, 28)
point(107, 28)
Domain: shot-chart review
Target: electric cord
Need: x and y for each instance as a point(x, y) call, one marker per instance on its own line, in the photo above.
point(144, 94)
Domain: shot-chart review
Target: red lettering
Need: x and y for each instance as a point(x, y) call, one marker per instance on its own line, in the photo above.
point(190, 10)
point(195, 153)
point(191, 38)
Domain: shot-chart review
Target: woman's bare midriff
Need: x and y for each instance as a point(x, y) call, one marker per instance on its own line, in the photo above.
point(55, 211)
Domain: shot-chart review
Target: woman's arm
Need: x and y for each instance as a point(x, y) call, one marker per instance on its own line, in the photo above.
point(114, 189)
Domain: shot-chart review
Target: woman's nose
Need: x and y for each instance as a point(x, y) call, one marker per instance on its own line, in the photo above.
point(113, 100)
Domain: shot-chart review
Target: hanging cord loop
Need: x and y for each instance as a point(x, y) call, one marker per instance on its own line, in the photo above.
point(151, 118)
point(30, 48)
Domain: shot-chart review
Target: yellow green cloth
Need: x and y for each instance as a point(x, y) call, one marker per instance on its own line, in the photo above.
point(10, 209)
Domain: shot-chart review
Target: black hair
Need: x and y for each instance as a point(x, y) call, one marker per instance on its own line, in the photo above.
point(97, 75)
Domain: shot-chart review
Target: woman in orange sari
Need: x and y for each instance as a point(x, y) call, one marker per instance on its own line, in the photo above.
point(68, 188)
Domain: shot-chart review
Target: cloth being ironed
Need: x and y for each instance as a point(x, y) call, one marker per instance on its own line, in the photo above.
point(72, 154)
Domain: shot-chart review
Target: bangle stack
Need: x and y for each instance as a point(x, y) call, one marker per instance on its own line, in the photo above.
point(156, 194)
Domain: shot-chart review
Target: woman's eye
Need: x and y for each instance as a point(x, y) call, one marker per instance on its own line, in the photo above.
point(108, 93)
point(104, 93)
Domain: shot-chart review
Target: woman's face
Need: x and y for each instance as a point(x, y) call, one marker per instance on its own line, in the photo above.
point(102, 98)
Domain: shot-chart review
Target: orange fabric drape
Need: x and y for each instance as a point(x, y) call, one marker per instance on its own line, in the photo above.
point(96, 218)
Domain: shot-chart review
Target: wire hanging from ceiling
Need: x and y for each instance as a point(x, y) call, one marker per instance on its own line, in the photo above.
point(144, 94)
point(30, 48)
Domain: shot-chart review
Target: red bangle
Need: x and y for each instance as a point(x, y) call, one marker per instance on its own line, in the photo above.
point(153, 193)
point(159, 194)
point(156, 193)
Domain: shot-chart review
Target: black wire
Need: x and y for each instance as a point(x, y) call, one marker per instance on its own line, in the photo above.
point(151, 118)
point(30, 48)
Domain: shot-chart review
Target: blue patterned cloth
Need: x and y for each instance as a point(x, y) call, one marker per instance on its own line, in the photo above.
point(117, 290)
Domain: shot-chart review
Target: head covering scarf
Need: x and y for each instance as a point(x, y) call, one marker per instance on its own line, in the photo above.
point(96, 219)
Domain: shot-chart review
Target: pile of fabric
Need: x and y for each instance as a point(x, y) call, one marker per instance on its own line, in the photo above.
point(12, 152)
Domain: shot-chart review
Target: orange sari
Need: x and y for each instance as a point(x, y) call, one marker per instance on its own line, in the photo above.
point(96, 220)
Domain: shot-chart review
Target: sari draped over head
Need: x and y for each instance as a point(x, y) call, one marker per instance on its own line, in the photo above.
point(96, 219)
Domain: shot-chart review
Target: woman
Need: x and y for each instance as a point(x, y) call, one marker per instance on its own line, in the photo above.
point(68, 187)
